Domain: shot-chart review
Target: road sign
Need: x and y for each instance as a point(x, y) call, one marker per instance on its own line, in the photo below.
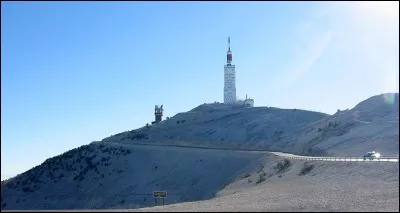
point(159, 194)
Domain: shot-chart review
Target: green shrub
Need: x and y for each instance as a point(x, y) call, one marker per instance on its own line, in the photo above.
point(261, 178)
point(283, 165)
point(27, 189)
point(306, 168)
point(261, 169)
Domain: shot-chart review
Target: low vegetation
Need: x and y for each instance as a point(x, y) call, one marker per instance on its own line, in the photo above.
point(135, 135)
point(306, 168)
point(180, 121)
point(283, 165)
point(78, 162)
point(261, 177)
point(261, 169)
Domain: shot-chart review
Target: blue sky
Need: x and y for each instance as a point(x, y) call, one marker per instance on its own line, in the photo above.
point(75, 72)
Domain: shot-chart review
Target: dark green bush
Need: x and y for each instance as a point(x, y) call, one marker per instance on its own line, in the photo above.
point(306, 168)
point(261, 178)
point(282, 166)
point(27, 189)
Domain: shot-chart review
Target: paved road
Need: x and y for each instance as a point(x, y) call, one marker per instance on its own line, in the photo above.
point(281, 154)
point(392, 159)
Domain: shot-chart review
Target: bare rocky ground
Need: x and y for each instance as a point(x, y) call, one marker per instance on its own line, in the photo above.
point(118, 173)
point(107, 175)
point(373, 124)
point(330, 186)
point(224, 180)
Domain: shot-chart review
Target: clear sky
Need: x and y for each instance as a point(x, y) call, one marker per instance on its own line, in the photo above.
point(75, 72)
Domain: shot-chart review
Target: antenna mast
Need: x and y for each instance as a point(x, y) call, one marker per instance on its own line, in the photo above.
point(229, 43)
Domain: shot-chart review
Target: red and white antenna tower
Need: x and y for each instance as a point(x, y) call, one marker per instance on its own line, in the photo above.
point(229, 53)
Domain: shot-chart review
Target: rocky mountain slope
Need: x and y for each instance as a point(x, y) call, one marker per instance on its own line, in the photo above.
point(107, 175)
point(371, 125)
point(119, 173)
point(325, 186)
point(222, 126)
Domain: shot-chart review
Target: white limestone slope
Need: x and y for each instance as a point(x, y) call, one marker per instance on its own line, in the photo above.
point(219, 126)
point(329, 186)
point(107, 175)
point(116, 172)
point(371, 125)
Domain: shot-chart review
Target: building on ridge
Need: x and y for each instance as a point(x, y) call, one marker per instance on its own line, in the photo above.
point(158, 113)
point(229, 78)
point(230, 82)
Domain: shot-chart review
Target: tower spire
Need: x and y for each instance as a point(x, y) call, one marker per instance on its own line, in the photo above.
point(229, 53)
point(229, 77)
point(229, 43)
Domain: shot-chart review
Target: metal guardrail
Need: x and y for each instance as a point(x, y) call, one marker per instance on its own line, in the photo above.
point(344, 159)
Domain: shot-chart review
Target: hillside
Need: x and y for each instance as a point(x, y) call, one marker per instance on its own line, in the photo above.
point(118, 171)
point(329, 186)
point(371, 125)
point(218, 125)
point(106, 175)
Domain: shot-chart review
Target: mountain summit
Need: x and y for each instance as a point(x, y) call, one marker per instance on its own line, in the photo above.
point(121, 171)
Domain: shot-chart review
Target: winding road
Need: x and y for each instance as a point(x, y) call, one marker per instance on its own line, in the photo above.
point(393, 159)
point(387, 159)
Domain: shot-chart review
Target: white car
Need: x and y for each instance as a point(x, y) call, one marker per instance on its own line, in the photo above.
point(372, 155)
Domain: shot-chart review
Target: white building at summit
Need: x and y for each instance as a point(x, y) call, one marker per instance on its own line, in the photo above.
point(229, 78)
point(230, 82)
